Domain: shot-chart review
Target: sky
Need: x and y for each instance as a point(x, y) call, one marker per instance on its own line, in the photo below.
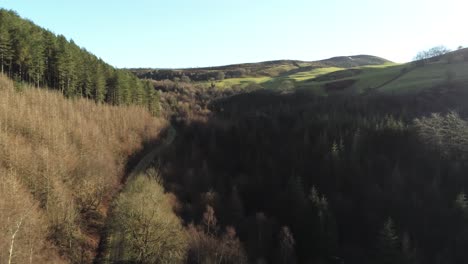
point(199, 33)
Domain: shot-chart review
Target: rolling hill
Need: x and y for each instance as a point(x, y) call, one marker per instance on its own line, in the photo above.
point(361, 74)
point(262, 71)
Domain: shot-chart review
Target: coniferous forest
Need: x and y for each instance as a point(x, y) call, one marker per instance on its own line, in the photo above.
point(306, 179)
point(35, 55)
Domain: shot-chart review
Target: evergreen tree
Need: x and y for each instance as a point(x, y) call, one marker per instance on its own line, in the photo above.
point(65, 67)
point(287, 243)
point(99, 84)
point(388, 244)
point(236, 205)
point(461, 205)
point(37, 66)
point(295, 193)
point(6, 52)
point(50, 43)
point(32, 54)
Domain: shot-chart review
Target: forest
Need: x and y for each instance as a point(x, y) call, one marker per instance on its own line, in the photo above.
point(32, 54)
point(343, 179)
point(109, 165)
point(61, 162)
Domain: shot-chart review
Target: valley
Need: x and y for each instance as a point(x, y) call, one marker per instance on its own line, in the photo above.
point(351, 159)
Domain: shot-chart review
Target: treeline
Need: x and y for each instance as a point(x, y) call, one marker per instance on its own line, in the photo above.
point(35, 55)
point(189, 75)
point(304, 179)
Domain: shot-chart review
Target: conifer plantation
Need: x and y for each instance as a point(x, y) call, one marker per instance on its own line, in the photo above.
point(306, 179)
point(35, 55)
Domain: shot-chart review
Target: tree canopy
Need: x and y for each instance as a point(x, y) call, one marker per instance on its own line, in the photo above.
point(32, 54)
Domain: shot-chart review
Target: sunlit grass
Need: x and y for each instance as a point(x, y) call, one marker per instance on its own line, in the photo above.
point(427, 77)
point(306, 75)
point(242, 82)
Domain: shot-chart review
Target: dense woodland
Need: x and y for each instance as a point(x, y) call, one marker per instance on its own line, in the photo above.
point(61, 161)
point(35, 55)
point(305, 179)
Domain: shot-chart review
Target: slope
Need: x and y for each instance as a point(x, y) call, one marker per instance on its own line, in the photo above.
point(447, 71)
point(61, 160)
point(360, 74)
point(32, 54)
point(270, 73)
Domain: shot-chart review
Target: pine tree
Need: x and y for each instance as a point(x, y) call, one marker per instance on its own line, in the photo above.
point(36, 68)
point(85, 72)
point(295, 192)
point(237, 207)
point(99, 84)
point(6, 52)
point(20, 49)
point(388, 244)
point(50, 43)
point(323, 225)
point(65, 67)
point(461, 203)
point(152, 98)
point(287, 243)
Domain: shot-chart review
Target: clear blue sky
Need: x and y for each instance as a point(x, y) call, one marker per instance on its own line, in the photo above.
point(195, 33)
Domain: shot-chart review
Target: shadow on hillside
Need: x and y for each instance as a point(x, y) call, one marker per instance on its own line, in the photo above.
point(132, 162)
point(256, 159)
point(147, 147)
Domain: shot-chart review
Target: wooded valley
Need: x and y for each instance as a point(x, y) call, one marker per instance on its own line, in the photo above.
point(345, 160)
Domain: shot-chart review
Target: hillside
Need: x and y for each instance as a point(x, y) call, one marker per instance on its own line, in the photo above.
point(342, 178)
point(360, 74)
point(448, 70)
point(35, 55)
point(260, 69)
point(61, 161)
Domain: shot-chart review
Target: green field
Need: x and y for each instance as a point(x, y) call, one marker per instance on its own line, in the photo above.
point(242, 82)
point(385, 78)
point(371, 76)
point(427, 77)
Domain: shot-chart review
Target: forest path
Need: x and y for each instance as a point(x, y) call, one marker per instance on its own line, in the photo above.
point(104, 253)
point(148, 158)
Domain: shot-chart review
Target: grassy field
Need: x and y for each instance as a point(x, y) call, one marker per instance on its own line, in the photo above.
point(391, 78)
point(427, 77)
point(242, 82)
point(371, 76)
point(307, 75)
point(281, 82)
point(368, 77)
point(387, 77)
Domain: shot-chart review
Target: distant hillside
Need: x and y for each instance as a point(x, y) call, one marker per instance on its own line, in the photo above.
point(362, 74)
point(439, 72)
point(354, 61)
point(265, 69)
point(35, 55)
